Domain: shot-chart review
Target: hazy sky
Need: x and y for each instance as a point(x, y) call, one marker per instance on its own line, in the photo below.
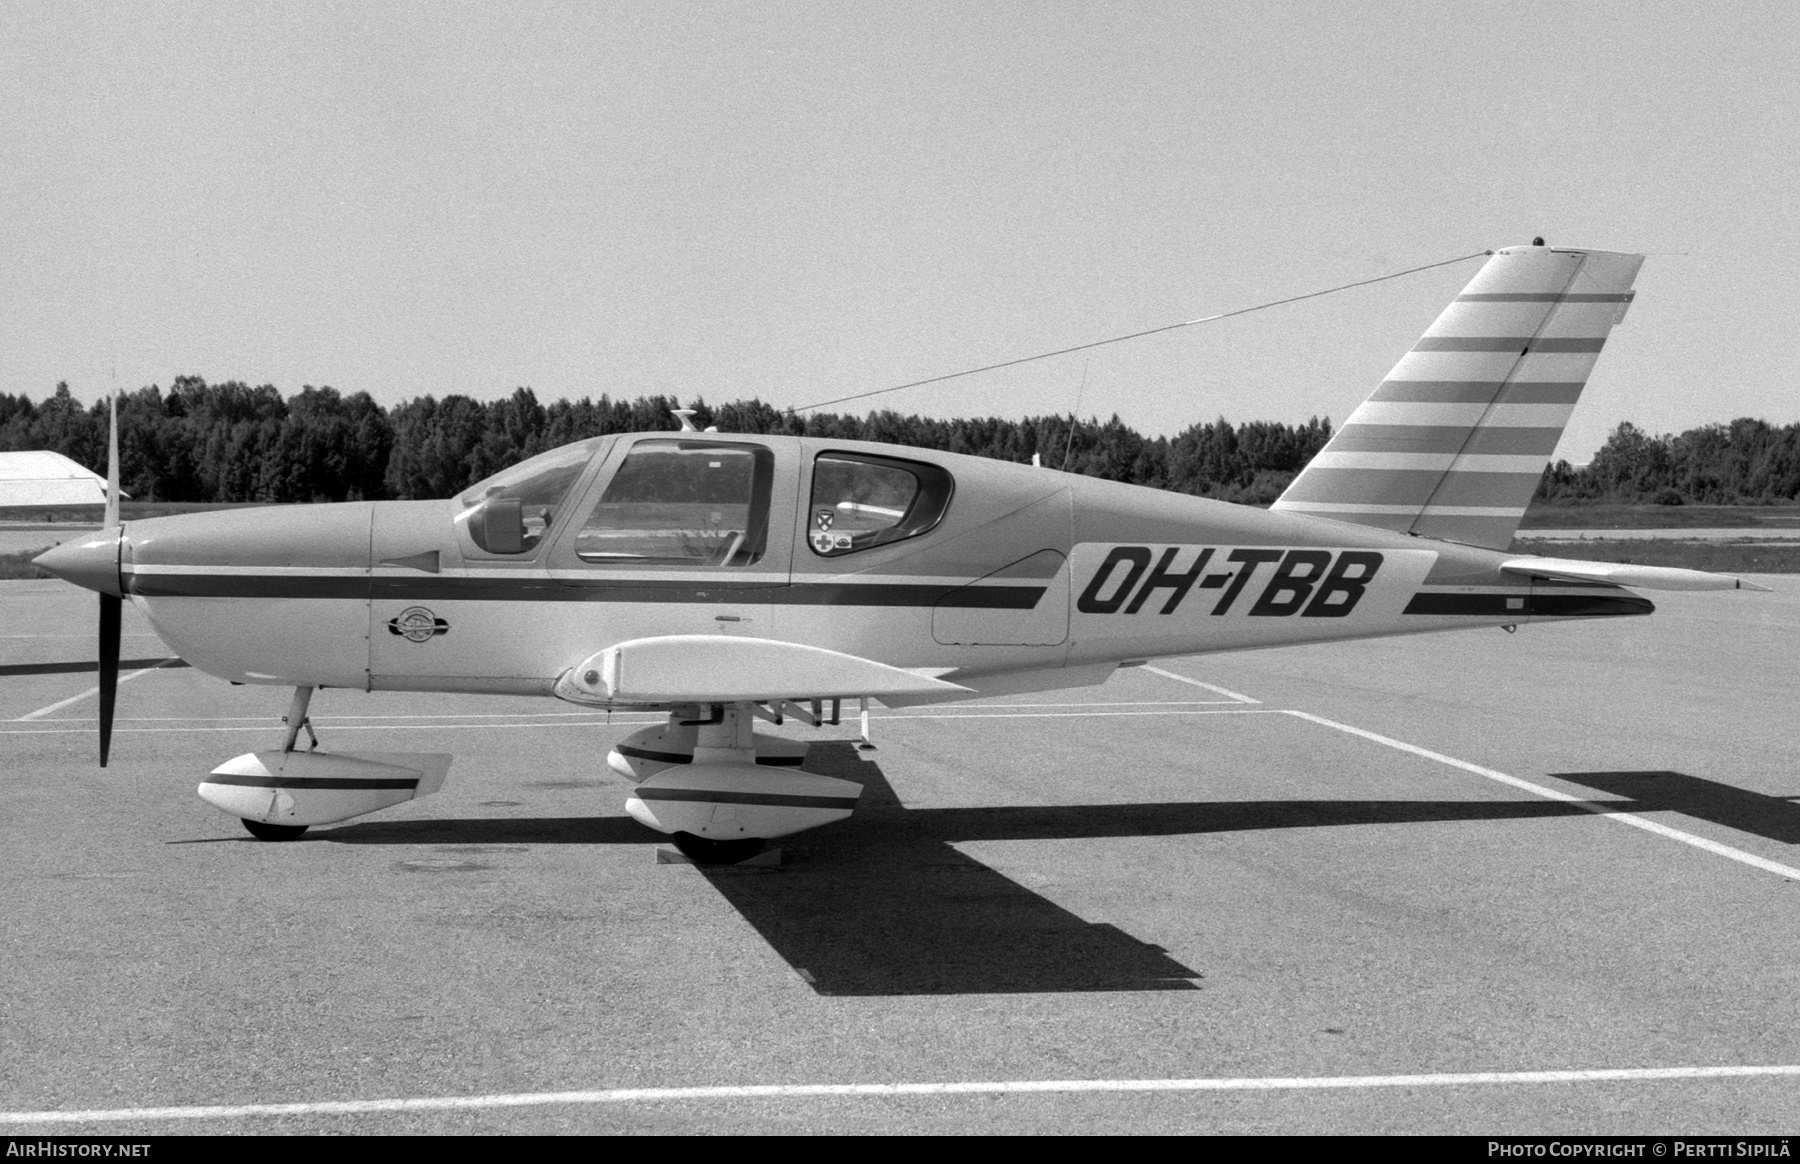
point(800, 201)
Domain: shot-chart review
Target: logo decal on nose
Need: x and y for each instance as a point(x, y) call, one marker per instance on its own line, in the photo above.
point(417, 624)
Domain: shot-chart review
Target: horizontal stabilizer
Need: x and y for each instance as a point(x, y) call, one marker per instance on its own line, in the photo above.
point(1625, 574)
point(718, 669)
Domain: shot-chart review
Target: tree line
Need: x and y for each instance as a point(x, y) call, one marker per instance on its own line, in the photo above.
point(232, 442)
point(1745, 462)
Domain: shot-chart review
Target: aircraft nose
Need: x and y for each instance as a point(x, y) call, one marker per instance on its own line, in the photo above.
point(91, 561)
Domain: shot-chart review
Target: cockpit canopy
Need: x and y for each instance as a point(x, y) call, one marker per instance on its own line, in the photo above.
point(685, 502)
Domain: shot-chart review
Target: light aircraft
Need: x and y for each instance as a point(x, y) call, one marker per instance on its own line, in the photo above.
point(724, 579)
point(38, 479)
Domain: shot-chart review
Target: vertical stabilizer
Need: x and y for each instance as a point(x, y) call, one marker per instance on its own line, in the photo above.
point(1454, 441)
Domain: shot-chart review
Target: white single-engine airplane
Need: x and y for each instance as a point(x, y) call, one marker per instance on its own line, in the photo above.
point(727, 578)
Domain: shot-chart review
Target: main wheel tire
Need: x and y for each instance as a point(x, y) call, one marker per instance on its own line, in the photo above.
point(709, 852)
point(273, 832)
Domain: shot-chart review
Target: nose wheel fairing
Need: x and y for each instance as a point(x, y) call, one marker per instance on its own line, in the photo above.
point(312, 788)
point(280, 793)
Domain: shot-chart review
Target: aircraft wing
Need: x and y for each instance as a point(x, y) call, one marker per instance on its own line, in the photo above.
point(722, 669)
point(1625, 574)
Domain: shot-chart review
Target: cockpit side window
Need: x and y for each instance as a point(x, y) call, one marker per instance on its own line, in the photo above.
point(861, 501)
point(510, 512)
point(683, 503)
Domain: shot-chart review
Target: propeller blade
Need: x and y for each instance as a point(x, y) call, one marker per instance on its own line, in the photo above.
point(111, 605)
point(111, 608)
point(112, 467)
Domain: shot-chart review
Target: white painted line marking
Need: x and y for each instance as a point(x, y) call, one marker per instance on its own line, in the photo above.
point(319, 725)
point(88, 636)
point(977, 1087)
point(340, 720)
point(587, 716)
point(980, 705)
point(1197, 683)
point(1636, 822)
point(1194, 710)
point(92, 691)
point(618, 721)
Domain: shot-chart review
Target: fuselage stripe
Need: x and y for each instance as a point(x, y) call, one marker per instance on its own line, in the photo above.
point(1393, 391)
point(721, 796)
point(11, 669)
point(1528, 605)
point(1542, 297)
point(445, 588)
point(1509, 343)
point(658, 757)
point(338, 782)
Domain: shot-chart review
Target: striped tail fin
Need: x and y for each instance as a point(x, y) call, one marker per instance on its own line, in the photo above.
point(1453, 443)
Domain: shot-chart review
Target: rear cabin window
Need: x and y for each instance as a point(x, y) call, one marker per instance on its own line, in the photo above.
point(859, 502)
point(683, 503)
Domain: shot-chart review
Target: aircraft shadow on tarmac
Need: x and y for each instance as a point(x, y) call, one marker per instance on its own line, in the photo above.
point(884, 904)
point(1774, 817)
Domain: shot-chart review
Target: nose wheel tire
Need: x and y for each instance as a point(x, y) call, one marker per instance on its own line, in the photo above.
point(279, 832)
point(702, 851)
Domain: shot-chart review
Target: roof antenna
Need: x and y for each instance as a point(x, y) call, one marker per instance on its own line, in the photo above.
point(1069, 447)
point(687, 425)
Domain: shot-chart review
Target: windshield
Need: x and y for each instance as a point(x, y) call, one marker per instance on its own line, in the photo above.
point(542, 480)
point(510, 512)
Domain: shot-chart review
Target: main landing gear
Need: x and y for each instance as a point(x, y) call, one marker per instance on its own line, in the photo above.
point(719, 790)
point(702, 851)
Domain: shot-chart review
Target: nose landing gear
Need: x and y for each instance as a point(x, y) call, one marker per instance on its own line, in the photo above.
point(280, 794)
point(264, 831)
